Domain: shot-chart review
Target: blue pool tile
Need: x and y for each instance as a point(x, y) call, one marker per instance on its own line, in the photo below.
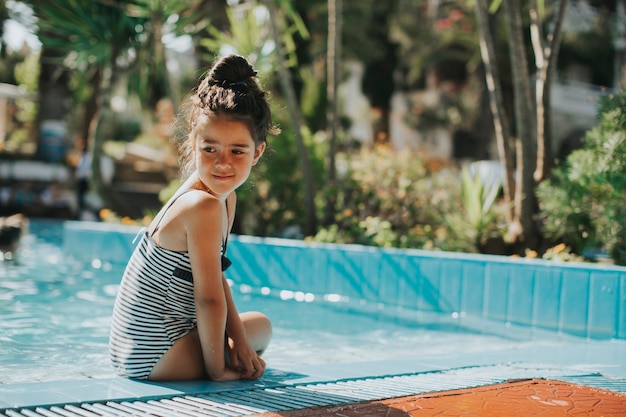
point(411, 289)
point(348, 274)
point(574, 300)
point(473, 288)
point(426, 281)
point(497, 281)
point(520, 295)
point(603, 305)
point(450, 284)
point(391, 278)
point(56, 392)
point(105, 241)
point(546, 303)
point(621, 331)
point(16, 396)
point(522, 290)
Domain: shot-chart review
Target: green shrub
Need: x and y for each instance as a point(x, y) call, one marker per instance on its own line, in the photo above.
point(479, 217)
point(390, 199)
point(584, 201)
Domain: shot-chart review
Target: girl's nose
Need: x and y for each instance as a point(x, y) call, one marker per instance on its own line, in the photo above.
point(223, 159)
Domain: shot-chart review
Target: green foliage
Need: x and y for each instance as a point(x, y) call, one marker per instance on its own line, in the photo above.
point(478, 217)
point(312, 99)
point(27, 77)
point(561, 253)
point(250, 35)
point(584, 202)
point(7, 66)
point(390, 199)
point(446, 41)
point(88, 32)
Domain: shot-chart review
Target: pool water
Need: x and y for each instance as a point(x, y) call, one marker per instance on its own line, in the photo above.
point(55, 316)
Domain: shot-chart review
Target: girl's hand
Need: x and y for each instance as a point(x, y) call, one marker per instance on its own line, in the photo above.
point(229, 375)
point(245, 360)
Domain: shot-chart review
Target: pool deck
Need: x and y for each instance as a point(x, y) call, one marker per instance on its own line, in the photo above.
point(517, 398)
point(587, 377)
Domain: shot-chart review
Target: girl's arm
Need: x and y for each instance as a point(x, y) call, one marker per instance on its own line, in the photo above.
point(204, 241)
point(242, 355)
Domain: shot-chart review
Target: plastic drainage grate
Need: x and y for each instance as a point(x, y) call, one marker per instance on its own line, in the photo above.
point(291, 397)
point(597, 381)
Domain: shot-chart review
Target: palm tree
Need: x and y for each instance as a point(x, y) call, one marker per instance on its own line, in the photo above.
point(93, 40)
point(150, 79)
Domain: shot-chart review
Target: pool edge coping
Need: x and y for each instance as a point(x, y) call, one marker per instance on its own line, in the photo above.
point(99, 390)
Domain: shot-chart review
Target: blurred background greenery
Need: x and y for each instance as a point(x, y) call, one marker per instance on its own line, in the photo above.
point(467, 125)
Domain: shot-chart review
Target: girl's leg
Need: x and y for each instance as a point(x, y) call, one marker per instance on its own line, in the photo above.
point(183, 361)
point(258, 330)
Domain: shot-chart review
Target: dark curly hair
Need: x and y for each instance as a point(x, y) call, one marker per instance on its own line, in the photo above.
point(231, 89)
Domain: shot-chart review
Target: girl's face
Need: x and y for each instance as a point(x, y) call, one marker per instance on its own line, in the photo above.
point(224, 152)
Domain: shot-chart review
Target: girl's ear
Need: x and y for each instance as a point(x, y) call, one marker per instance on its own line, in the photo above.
point(258, 152)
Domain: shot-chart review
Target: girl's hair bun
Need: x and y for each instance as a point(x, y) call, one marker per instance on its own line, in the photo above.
point(230, 71)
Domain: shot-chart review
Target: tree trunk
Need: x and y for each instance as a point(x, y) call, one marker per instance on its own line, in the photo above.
point(522, 231)
point(54, 95)
point(90, 110)
point(4, 16)
point(286, 84)
point(333, 59)
point(102, 93)
point(619, 41)
point(161, 76)
point(546, 54)
point(92, 120)
point(496, 103)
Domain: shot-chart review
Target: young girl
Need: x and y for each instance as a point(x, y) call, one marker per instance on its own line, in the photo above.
point(174, 316)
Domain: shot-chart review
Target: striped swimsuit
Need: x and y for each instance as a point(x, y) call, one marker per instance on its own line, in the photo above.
point(154, 307)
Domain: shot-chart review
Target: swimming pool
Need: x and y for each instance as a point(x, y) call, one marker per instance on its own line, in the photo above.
point(56, 303)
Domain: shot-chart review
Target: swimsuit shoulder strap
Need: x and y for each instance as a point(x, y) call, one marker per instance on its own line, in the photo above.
point(167, 207)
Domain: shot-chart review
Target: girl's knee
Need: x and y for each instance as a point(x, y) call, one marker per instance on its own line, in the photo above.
point(258, 329)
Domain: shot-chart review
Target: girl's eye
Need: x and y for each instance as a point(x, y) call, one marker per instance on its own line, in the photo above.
point(209, 149)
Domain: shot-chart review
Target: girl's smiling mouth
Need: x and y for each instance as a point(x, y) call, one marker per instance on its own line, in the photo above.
point(223, 176)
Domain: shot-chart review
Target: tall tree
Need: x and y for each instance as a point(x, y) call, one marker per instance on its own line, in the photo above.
point(4, 15)
point(496, 103)
point(546, 51)
point(284, 76)
point(533, 158)
point(522, 228)
point(333, 60)
point(150, 79)
point(94, 39)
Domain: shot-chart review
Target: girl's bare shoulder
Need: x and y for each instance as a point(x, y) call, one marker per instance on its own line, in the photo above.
point(198, 203)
